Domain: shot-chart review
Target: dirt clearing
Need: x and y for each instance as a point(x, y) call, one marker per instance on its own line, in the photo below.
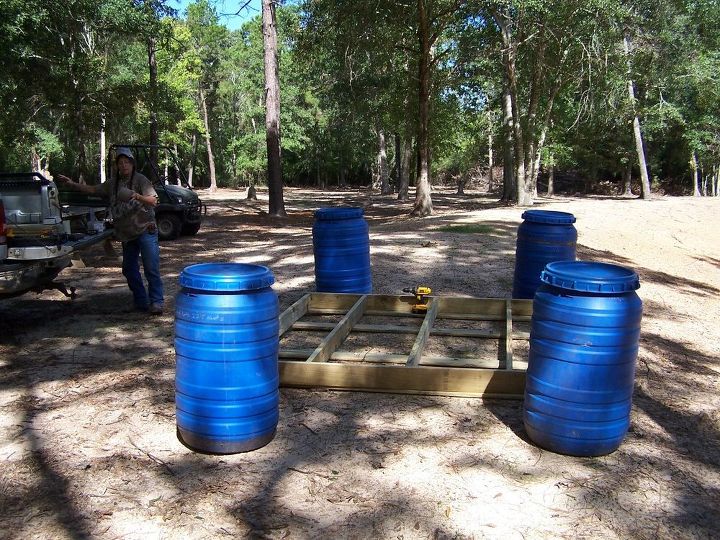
point(88, 445)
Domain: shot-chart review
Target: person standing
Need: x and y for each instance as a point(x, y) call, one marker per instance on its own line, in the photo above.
point(132, 204)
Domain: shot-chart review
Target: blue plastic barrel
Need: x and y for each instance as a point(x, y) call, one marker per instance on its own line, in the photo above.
point(342, 251)
point(581, 369)
point(543, 237)
point(226, 345)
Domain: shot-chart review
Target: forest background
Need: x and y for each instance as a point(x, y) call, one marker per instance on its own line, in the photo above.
point(524, 96)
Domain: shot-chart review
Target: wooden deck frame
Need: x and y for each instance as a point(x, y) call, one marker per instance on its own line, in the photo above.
point(398, 373)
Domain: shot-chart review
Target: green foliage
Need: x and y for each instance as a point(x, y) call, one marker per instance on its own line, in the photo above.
point(349, 70)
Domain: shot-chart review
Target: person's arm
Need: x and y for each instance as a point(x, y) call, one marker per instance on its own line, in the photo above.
point(148, 195)
point(147, 200)
point(76, 186)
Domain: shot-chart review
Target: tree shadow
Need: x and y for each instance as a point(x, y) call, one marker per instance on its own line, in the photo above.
point(319, 431)
point(52, 492)
point(656, 277)
point(709, 260)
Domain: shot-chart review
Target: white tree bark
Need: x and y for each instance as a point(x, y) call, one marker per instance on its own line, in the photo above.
point(211, 158)
point(695, 174)
point(383, 164)
point(644, 179)
point(102, 149)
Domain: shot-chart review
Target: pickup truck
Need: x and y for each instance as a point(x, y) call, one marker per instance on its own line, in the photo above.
point(38, 235)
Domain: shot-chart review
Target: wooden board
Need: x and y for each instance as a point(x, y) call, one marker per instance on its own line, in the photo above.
point(459, 382)
point(327, 366)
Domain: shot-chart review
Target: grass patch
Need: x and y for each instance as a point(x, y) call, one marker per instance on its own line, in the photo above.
point(469, 228)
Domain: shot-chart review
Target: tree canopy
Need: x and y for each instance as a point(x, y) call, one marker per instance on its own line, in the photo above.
point(385, 94)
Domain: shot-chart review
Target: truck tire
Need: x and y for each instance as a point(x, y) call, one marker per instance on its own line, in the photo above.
point(169, 226)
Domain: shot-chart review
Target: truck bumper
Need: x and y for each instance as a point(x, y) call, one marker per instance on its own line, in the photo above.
point(19, 277)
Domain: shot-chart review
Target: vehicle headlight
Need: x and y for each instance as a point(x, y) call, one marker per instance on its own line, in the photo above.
point(180, 200)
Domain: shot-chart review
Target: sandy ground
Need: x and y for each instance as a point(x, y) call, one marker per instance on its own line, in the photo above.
point(88, 445)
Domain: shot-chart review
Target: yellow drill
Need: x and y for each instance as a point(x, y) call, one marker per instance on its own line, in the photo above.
point(421, 293)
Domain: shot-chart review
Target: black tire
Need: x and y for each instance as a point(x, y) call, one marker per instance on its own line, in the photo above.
point(169, 226)
point(190, 229)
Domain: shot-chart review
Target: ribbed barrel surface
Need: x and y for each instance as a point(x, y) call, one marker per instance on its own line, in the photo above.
point(583, 345)
point(341, 247)
point(543, 237)
point(226, 344)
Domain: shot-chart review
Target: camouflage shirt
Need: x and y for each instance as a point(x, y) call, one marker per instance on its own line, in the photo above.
point(130, 218)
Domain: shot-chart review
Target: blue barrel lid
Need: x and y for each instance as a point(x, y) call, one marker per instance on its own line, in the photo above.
point(344, 212)
point(550, 217)
point(586, 276)
point(226, 277)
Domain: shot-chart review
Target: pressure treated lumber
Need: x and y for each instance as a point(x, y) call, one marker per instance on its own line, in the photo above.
point(339, 333)
point(396, 329)
point(508, 336)
point(390, 358)
point(291, 315)
point(328, 366)
point(460, 382)
point(423, 334)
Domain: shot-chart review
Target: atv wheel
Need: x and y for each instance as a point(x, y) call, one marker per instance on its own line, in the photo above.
point(190, 229)
point(169, 226)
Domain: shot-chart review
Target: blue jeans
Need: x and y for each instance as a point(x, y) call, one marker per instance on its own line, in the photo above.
point(147, 247)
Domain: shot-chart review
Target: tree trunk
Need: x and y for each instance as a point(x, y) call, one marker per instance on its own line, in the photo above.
point(34, 160)
point(695, 174)
point(341, 176)
point(102, 149)
point(423, 202)
point(191, 165)
point(523, 187)
point(491, 180)
point(211, 159)
point(644, 179)
point(508, 161)
point(77, 109)
point(546, 124)
point(79, 133)
point(404, 182)
point(535, 173)
point(551, 179)
point(176, 166)
point(154, 138)
point(318, 178)
point(272, 110)
point(627, 180)
point(382, 164)
point(398, 161)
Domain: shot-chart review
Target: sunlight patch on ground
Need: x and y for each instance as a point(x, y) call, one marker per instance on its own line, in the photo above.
point(299, 259)
point(431, 252)
point(295, 283)
point(256, 259)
